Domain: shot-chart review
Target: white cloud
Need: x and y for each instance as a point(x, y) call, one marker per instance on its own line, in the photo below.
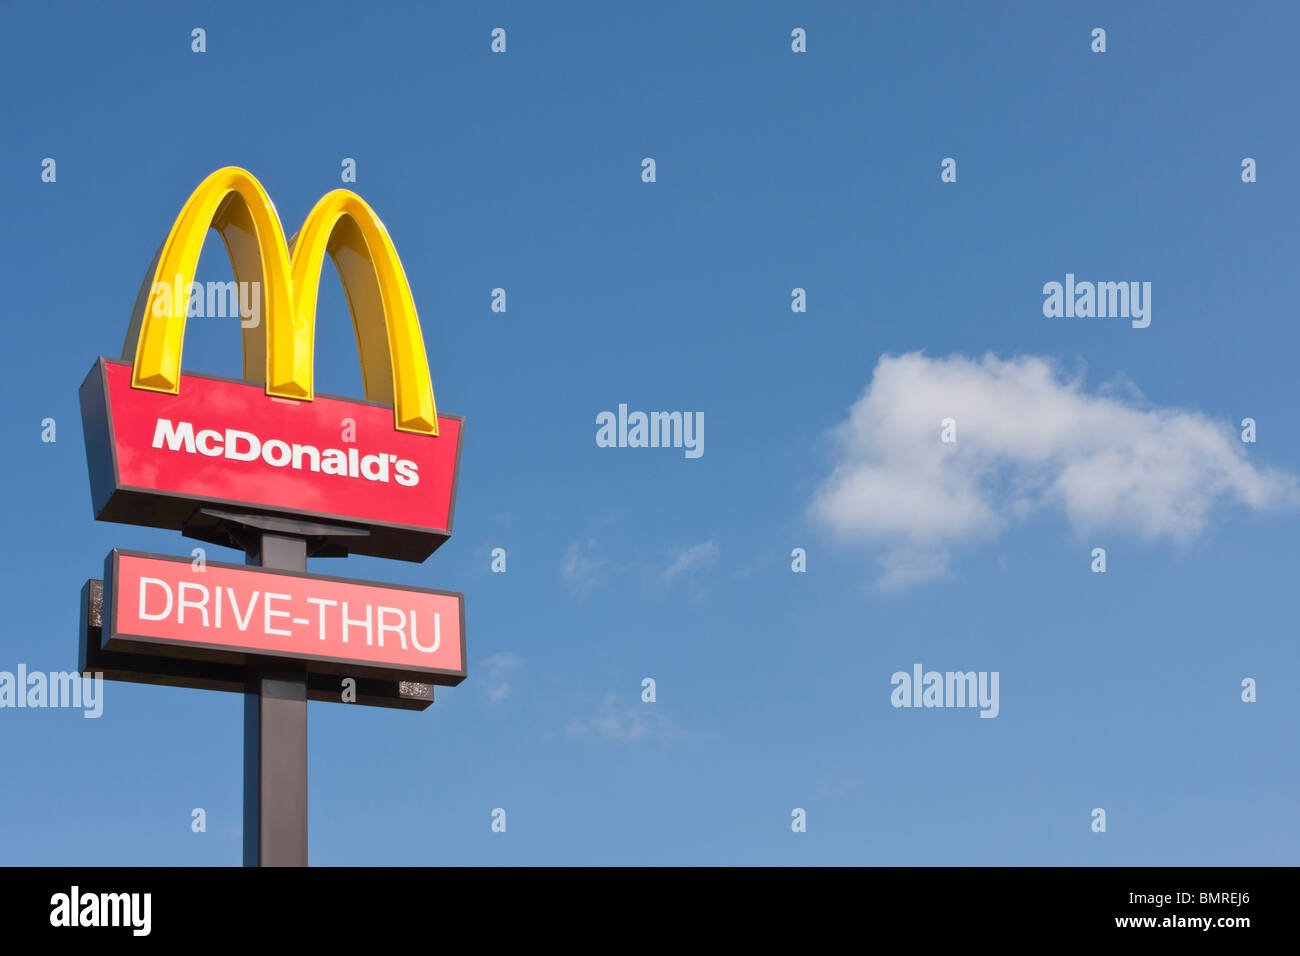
point(697, 556)
point(580, 567)
point(628, 722)
point(496, 670)
point(1027, 439)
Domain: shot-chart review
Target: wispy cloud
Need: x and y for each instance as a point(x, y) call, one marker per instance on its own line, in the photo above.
point(836, 785)
point(1028, 439)
point(580, 567)
point(496, 673)
point(693, 558)
point(625, 721)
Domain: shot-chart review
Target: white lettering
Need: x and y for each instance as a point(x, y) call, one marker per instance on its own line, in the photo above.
point(236, 445)
point(146, 616)
point(269, 613)
point(437, 634)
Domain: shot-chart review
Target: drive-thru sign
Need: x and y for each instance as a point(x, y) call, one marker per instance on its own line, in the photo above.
point(268, 466)
point(236, 614)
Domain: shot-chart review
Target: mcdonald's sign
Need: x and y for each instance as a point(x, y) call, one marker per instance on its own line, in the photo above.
point(164, 445)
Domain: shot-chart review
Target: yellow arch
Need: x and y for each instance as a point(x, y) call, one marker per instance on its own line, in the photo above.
point(231, 201)
point(393, 363)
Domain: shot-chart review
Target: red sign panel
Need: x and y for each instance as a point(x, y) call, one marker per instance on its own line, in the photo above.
point(233, 613)
point(155, 458)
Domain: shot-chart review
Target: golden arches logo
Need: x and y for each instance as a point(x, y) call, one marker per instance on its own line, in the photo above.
point(278, 352)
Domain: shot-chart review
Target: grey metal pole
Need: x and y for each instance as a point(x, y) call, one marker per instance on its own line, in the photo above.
point(275, 738)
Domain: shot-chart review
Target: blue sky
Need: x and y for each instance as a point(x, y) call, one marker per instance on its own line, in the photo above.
point(775, 170)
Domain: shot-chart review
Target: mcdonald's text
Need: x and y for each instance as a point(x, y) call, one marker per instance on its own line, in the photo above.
point(245, 446)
